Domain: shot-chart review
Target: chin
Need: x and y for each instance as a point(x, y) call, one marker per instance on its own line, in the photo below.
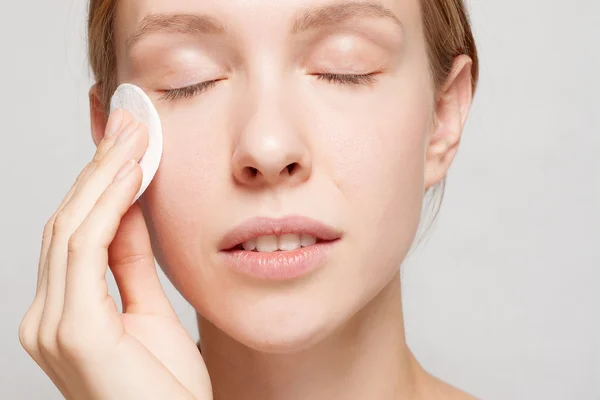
point(281, 342)
point(282, 322)
point(282, 335)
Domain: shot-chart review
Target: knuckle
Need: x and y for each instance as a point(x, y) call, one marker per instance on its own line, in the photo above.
point(69, 341)
point(28, 334)
point(77, 242)
point(98, 156)
point(49, 227)
point(102, 156)
point(131, 260)
point(81, 174)
point(62, 223)
point(87, 171)
point(65, 337)
point(46, 343)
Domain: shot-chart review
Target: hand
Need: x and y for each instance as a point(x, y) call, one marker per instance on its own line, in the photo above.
point(73, 329)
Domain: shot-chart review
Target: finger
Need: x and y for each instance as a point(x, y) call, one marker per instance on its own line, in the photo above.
point(88, 249)
point(29, 328)
point(47, 233)
point(131, 261)
point(28, 337)
point(40, 346)
point(114, 124)
point(88, 261)
point(130, 144)
point(74, 212)
point(118, 120)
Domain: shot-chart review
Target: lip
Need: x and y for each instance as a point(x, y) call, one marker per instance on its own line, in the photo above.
point(262, 226)
point(278, 265)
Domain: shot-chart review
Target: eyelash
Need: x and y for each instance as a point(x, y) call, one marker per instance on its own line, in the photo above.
point(348, 79)
point(189, 91)
point(344, 79)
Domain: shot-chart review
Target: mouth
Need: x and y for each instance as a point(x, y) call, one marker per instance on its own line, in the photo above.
point(266, 235)
point(278, 249)
point(273, 244)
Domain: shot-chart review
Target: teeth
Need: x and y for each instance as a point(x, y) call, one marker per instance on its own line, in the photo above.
point(287, 242)
point(250, 245)
point(267, 244)
point(306, 240)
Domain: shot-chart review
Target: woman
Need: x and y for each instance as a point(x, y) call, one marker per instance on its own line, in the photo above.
point(300, 138)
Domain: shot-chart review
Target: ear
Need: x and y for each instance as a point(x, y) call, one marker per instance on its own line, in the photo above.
point(98, 118)
point(451, 111)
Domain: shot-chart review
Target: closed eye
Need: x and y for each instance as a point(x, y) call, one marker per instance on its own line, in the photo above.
point(194, 90)
point(348, 79)
point(188, 91)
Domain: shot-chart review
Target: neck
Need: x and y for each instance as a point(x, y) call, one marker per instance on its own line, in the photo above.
point(366, 359)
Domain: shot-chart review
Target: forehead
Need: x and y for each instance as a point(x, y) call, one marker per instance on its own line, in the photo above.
point(258, 19)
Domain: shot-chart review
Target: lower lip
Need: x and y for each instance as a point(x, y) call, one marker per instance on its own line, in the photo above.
point(279, 265)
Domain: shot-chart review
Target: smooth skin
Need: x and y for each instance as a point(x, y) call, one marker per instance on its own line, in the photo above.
point(73, 329)
point(364, 155)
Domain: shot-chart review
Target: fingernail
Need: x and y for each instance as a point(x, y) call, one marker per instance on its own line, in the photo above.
point(127, 131)
point(114, 122)
point(124, 171)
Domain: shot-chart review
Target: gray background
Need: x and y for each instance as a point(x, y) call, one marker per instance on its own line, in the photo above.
point(501, 298)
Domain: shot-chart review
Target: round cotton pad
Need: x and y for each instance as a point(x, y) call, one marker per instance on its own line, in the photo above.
point(131, 98)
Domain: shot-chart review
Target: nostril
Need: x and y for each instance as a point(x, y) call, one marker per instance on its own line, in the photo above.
point(252, 173)
point(292, 167)
point(249, 173)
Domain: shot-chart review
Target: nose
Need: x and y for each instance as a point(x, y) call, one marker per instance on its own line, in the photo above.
point(270, 150)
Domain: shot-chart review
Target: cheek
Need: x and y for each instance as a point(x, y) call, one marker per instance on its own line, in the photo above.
point(183, 196)
point(373, 149)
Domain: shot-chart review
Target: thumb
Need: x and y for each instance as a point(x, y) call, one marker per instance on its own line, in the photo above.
point(131, 261)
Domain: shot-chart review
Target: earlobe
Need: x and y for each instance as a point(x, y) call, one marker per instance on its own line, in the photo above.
point(451, 111)
point(98, 118)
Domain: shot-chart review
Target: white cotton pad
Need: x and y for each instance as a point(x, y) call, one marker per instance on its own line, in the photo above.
point(132, 98)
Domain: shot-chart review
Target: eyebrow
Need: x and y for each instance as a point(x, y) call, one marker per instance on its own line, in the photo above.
point(175, 23)
point(337, 14)
point(325, 16)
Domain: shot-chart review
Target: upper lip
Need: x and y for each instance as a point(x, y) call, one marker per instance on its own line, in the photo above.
point(262, 226)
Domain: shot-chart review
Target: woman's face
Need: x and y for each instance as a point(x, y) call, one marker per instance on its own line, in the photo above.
point(278, 135)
